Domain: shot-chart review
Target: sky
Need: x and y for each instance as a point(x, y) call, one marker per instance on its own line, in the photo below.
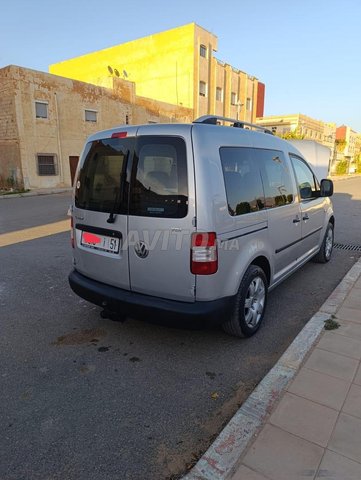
point(308, 53)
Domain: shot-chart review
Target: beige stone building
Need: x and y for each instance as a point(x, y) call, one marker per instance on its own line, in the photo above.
point(176, 66)
point(348, 146)
point(302, 125)
point(347, 135)
point(45, 119)
point(358, 147)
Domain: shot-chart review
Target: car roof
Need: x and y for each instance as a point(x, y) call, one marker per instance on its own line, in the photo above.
point(226, 134)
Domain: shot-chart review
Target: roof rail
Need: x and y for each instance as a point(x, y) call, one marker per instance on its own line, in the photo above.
point(214, 119)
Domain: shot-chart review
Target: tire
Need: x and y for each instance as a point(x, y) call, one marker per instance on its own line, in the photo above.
point(246, 320)
point(325, 253)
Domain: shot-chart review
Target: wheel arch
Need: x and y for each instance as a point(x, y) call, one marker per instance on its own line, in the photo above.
point(263, 262)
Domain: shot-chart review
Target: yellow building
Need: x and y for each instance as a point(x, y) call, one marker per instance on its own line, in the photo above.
point(175, 66)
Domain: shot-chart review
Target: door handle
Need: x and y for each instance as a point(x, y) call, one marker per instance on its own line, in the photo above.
point(305, 217)
point(296, 220)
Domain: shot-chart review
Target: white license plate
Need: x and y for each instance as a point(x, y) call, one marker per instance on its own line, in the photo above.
point(100, 242)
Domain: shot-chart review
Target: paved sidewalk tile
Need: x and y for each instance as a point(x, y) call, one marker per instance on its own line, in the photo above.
point(358, 283)
point(350, 347)
point(282, 456)
point(337, 467)
point(349, 329)
point(353, 300)
point(245, 473)
point(352, 404)
point(306, 419)
point(346, 438)
point(350, 314)
point(357, 378)
point(332, 364)
point(315, 386)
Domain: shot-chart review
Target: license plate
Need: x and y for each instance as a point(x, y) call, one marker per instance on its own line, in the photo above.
point(100, 242)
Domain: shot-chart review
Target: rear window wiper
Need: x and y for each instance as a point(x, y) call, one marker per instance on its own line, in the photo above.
point(112, 215)
point(120, 191)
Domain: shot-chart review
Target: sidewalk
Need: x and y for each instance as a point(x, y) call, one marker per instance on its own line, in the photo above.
point(344, 177)
point(39, 191)
point(303, 420)
point(314, 431)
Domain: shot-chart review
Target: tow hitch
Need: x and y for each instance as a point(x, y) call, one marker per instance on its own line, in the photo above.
point(115, 317)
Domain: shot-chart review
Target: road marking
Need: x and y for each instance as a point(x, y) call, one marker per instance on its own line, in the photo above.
point(34, 232)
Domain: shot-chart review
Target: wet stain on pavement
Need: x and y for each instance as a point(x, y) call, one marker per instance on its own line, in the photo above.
point(103, 349)
point(81, 337)
point(87, 369)
point(134, 359)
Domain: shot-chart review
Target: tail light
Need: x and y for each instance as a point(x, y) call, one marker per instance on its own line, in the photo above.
point(72, 231)
point(119, 134)
point(204, 255)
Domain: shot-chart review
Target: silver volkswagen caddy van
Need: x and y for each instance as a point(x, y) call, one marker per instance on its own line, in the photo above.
point(194, 222)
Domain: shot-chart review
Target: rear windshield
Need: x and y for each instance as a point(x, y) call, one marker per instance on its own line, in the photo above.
point(158, 179)
point(101, 182)
point(159, 186)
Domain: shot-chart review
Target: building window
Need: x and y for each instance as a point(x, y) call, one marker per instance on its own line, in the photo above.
point(202, 89)
point(248, 104)
point(219, 94)
point(41, 109)
point(233, 98)
point(127, 119)
point(203, 51)
point(91, 115)
point(47, 165)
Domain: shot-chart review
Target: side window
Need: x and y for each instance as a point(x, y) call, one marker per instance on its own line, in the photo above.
point(276, 178)
point(159, 186)
point(242, 180)
point(307, 183)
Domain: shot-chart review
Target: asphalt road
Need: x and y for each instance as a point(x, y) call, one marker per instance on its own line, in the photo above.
point(24, 212)
point(82, 398)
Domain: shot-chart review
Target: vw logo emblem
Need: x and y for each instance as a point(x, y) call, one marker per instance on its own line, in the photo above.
point(141, 250)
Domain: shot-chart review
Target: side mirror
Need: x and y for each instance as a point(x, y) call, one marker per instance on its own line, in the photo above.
point(326, 187)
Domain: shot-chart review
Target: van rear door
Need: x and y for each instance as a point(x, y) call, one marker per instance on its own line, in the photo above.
point(161, 214)
point(100, 209)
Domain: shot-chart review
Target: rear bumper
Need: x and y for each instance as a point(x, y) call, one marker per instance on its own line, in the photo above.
point(146, 307)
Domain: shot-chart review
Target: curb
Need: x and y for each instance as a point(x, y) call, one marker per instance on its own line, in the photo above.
point(334, 178)
point(221, 459)
point(36, 193)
